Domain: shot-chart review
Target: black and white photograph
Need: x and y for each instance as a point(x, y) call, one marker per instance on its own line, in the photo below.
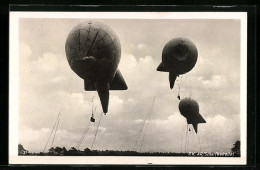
point(163, 88)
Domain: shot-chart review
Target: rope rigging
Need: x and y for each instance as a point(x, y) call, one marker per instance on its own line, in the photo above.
point(182, 136)
point(179, 85)
point(52, 131)
point(190, 131)
point(55, 132)
point(193, 131)
point(144, 122)
point(57, 119)
point(186, 138)
point(178, 90)
point(92, 119)
point(147, 124)
point(179, 97)
point(84, 134)
point(96, 130)
point(199, 142)
point(142, 128)
point(190, 93)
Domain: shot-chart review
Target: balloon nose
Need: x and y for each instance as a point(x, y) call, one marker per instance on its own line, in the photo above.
point(181, 51)
point(181, 54)
point(181, 57)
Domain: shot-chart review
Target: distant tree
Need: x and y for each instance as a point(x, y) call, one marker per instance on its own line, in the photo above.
point(64, 150)
point(41, 153)
point(236, 148)
point(58, 150)
point(21, 150)
point(86, 150)
point(72, 152)
point(73, 149)
point(51, 151)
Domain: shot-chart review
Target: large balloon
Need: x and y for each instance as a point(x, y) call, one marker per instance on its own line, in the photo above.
point(93, 51)
point(189, 108)
point(179, 56)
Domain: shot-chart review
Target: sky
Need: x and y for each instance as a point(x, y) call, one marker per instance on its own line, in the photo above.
point(48, 86)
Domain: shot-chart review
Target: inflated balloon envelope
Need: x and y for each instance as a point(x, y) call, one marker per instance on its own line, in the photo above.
point(189, 108)
point(179, 56)
point(93, 51)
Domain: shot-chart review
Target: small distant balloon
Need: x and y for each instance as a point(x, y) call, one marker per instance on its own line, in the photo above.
point(179, 56)
point(189, 108)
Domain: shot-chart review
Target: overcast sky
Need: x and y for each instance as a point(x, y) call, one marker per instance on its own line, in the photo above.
point(48, 86)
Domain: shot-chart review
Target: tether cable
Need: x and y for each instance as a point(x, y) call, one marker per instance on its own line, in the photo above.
point(96, 130)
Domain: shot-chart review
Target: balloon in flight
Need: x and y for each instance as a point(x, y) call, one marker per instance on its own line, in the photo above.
point(93, 51)
point(189, 108)
point(179, 56)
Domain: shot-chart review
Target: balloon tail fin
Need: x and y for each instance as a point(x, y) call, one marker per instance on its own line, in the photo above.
point(172, 78)
point(195, 126)
point(103, 92)
point(118, 82)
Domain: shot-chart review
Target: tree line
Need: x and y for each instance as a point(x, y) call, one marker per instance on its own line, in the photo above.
point(62, 151)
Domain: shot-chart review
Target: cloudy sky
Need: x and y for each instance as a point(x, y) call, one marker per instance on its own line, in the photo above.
point(48, 86)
